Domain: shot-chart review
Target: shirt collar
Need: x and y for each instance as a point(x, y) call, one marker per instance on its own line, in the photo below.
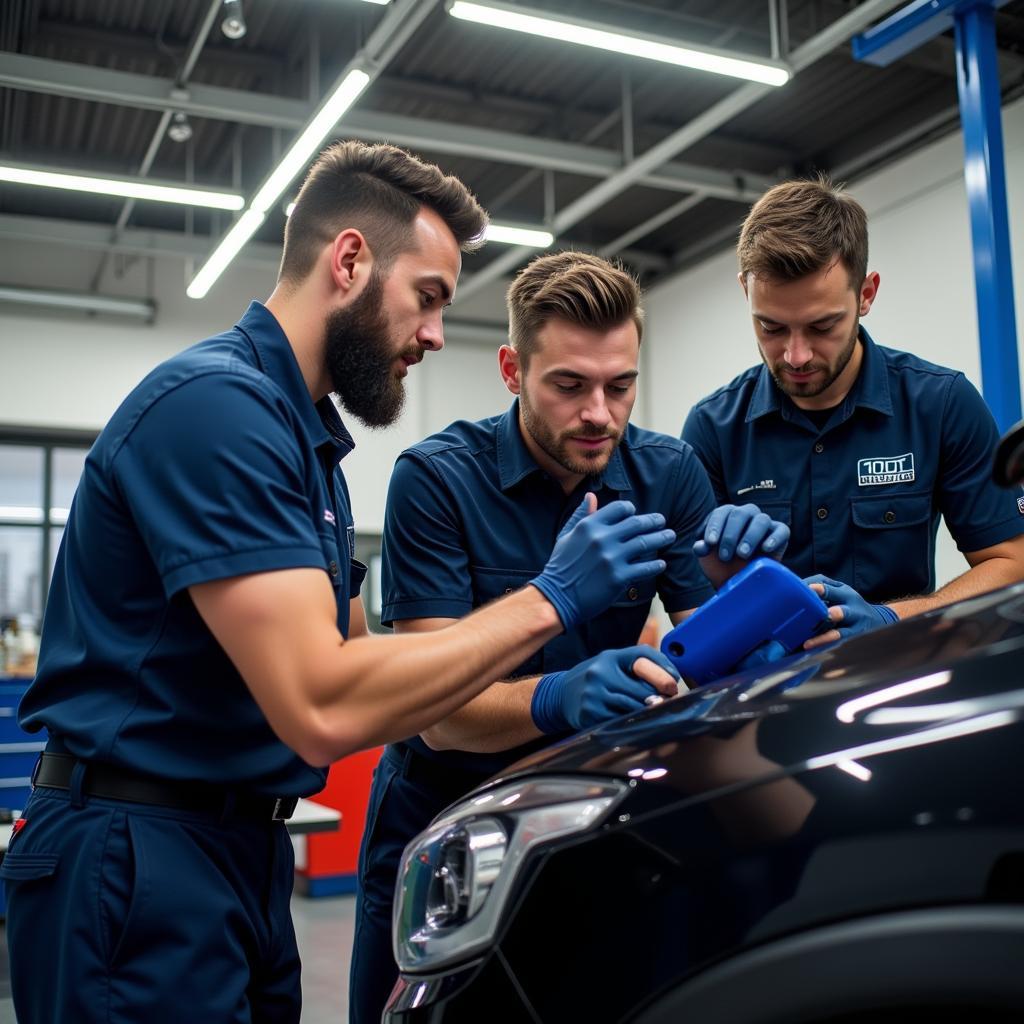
point(277, 360)
point(871, 388)
point(515, 461)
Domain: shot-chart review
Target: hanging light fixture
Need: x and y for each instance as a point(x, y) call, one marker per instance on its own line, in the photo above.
point(233, 25)
point(179, 130)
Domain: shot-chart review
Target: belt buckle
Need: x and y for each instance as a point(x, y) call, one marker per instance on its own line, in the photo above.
point(284, 808)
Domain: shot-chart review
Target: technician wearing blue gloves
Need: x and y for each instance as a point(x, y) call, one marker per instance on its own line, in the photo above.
point(472, 513)
point(858, 448)
point(203, 653)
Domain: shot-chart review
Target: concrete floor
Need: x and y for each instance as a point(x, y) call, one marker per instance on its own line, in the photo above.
point(324, 931)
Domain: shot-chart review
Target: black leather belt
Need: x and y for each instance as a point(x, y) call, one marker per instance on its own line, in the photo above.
point(53, 771)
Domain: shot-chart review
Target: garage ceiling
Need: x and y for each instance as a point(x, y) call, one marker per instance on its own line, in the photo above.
point(652, 163)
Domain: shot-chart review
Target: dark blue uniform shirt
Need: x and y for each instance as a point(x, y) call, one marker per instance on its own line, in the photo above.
point(471, 516)
point(862, 491)
point(218, 464)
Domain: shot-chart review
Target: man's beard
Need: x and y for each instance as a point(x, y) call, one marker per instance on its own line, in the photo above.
point(558, 447)
point(811, 389)
point(360, 358)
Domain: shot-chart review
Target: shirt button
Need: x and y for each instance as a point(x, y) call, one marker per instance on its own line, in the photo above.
point(822, 513)
point(333, 569)
point(633, 593)
point(819, 448)
point(890, 516)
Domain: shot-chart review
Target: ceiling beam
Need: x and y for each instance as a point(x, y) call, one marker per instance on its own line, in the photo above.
point(808, 53)
point(53, 36)
point(125, 88)
point(172, 245)
point(101, 85)
point(88, 235)
point(132, 241)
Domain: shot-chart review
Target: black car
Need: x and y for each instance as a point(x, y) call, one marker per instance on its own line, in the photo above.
point(836, 839)
point(840, 839)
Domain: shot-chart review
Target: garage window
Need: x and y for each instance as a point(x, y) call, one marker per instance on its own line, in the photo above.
point(39, 472)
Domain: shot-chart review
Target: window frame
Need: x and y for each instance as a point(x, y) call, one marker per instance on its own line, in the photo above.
point(46, 438)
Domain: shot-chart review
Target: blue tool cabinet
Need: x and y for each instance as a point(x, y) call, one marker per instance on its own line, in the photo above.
point(18, 752)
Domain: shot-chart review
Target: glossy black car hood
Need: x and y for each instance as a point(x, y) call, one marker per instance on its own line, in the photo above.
point(944, 673)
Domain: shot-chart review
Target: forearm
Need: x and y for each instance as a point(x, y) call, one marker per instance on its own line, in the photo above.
point(980, 579)
point(388, 688)
point(498, 719)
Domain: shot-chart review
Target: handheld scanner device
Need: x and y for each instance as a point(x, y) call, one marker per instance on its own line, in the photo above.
point(765, 601)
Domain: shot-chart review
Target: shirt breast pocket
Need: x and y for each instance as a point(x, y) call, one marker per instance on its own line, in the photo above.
point(490, 584)
point(620, 624)
point(892, 545)
point(780, 511)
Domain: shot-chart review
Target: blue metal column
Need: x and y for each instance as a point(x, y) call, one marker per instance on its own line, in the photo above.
point(984, 170)
point(985, 176)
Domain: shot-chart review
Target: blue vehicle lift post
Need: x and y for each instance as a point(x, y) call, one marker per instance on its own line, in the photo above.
point(973, 22)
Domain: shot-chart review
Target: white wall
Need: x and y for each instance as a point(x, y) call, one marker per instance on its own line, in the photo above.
point(70, 371)
point(699, 334)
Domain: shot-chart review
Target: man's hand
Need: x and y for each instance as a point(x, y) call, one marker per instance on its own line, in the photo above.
point(848, 610)
point(611, 684)
point(735, 534)
point(597, 554)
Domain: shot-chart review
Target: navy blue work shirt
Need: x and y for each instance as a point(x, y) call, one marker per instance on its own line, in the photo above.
point(471, 517)
point(863, 490)
point(218, 464)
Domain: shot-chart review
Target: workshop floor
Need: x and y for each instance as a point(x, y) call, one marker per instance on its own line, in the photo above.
point(324, 930)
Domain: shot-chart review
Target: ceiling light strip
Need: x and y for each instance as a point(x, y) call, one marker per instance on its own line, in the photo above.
point(298, 155)
point(240, 232)
point(124, 188)
point(584, 33)
point(512, 235)
point(308, 142)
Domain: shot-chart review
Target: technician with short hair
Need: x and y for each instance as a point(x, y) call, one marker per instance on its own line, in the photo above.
point(859, 448)
point(473, 511)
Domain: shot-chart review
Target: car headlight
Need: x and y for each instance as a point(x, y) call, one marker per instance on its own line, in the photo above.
point(456, 877)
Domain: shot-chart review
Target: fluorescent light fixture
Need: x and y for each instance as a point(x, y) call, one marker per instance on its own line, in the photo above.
point(241, 231)
point(847, 710)
point(80, 301)
point(59, 516)
point(634, 44)
point(381, 3)
point(136, 189)
point(309, 141)
point(518, 236)
point(280, 178)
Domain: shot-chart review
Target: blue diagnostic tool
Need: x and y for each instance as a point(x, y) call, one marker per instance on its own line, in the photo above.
point(765, 601)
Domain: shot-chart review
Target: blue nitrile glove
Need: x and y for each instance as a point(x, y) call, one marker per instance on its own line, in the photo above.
point(858, 615)
point(595, 690)
point(743, 531)
point(596, 555)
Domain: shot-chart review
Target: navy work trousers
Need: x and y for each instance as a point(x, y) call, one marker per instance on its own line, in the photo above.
point(408, 792)
point(126, 913)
